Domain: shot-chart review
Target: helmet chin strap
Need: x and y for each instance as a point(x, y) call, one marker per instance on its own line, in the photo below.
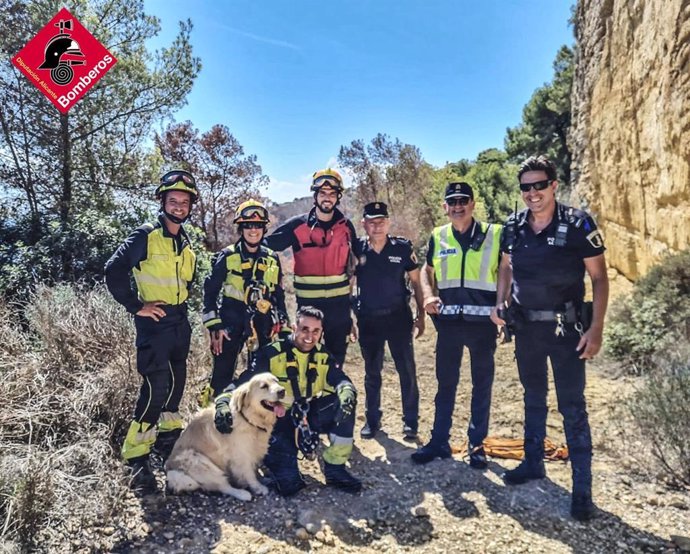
point(176, 220)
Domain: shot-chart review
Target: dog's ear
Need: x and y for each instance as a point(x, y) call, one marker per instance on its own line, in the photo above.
point(239, 397)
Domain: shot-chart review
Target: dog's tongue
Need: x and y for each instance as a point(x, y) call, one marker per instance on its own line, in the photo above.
point(279, 410)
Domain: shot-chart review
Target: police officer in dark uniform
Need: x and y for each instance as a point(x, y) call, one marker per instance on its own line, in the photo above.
point(459, 282)
point(384, 315)
point(546, 250)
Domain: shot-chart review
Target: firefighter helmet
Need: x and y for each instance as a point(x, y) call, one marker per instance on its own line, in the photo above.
point(251, 211)
point(59, 45)
point(327, 177)
point(178, 179)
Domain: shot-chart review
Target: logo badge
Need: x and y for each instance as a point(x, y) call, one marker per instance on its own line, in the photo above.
point(64, 60)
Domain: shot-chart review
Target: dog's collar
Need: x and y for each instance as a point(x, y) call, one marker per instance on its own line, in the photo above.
point(252, 424)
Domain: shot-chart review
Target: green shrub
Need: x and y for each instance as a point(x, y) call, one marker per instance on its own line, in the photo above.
point(661, 411)
point(642, 326)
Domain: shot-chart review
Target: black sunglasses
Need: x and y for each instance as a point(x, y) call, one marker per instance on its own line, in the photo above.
point(458, 201)
point(539, 185)
point(252, 225)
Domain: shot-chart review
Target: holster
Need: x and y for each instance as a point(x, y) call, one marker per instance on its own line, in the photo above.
point(584, 315)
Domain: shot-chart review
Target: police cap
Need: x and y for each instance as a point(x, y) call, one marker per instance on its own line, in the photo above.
point(375, 209)
point(455, 190)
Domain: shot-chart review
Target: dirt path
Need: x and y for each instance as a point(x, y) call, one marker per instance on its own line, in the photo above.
point(442, 507)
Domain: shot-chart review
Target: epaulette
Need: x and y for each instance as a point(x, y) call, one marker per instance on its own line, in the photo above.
point(402, 240)
point(573, 216)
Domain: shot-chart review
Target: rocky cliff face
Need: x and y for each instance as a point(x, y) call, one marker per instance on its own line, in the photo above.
point(631, 126)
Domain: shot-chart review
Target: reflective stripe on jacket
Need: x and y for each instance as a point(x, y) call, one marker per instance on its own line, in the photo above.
point(165, 274)
point(321, 261)
point(313, 367)
point(264, 269)
point(467, 278)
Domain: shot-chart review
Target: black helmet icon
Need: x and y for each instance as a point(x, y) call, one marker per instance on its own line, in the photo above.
point(60, 45)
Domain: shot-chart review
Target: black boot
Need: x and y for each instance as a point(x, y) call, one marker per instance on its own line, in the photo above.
point(369, 430)
point(430, 452)
point(477, 457)
point(581, 506)
point(165, 441)
point(339, 477)
point(287, 479)
point(143, 480)
point(526, 471)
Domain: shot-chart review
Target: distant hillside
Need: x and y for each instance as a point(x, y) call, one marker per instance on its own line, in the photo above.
point(280, 213)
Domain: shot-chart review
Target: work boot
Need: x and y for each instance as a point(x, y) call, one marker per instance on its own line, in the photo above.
point(165, 442)
point(340, 478)
point(369, 430)
point(477, 457)
point(526, 471)
point(409, 432)
point(581, 506)
point(143, 480)
point(287, 479)
point(430, 452)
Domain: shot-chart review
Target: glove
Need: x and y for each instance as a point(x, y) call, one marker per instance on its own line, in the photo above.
point(223, 417)
point(347, 397)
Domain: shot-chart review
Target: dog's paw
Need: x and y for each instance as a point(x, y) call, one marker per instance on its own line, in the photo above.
point(260, 489)
point(242, 494)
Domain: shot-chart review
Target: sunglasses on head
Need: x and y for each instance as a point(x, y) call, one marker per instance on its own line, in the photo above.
point(254, 212)
point(326, 180)
point(458, 201)
point(539, 185)
point(175, 176)
point(252, 225)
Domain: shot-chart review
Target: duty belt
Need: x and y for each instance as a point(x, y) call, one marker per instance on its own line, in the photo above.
point(568, 315)
point(457, 309)
point(382, 312)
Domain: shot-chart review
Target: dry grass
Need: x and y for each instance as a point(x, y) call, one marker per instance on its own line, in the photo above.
point(68, 384)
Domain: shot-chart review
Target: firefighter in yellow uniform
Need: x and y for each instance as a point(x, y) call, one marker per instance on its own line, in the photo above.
point(459, 286)
point(160, 258)
point(252, 309)
point(320, 399)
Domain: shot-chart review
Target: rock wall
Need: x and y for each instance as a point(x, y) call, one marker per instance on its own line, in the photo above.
point(630, 136)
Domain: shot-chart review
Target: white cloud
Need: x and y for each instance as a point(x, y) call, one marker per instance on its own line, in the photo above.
point(286, 191)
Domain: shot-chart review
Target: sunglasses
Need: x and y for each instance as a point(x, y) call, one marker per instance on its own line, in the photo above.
point(253, 225)
point(175, 176)
point(254, 212)
point(458, 201)
point(539, 185)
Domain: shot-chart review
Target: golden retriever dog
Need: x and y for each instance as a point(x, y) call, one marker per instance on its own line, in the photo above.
point(204, 458)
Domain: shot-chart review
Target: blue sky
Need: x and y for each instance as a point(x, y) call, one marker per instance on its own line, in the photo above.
point(295, 80)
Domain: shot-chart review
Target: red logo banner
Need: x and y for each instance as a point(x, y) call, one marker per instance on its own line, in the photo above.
point(64, 60)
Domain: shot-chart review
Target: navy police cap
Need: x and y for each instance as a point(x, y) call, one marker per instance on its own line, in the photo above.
point(375, 209)
point(454, 190)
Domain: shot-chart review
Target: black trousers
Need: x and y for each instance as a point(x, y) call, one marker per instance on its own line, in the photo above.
point(337, 323)
point(480, 339)
point(535, 342)
point(162, 349)
point(396, 330)
point(282, 449)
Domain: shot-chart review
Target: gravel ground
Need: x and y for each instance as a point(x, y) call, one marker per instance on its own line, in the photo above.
point(444, 506)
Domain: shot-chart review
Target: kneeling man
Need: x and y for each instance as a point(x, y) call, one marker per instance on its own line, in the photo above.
point(320, 399)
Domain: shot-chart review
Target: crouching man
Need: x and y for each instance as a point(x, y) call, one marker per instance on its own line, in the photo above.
point(319, 397)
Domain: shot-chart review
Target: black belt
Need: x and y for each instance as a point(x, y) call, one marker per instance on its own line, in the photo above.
point(382, 312)
point(567, 315)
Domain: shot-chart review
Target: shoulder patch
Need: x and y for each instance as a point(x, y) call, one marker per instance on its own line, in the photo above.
point(148, 227)
point(596, 239)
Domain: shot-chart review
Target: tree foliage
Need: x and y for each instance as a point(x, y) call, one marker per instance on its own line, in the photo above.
point(546, 119)
point(225, 175)
point(60, 170)
point(395, 173)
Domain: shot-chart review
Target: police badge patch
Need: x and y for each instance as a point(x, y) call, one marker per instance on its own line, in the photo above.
point(596, 239)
